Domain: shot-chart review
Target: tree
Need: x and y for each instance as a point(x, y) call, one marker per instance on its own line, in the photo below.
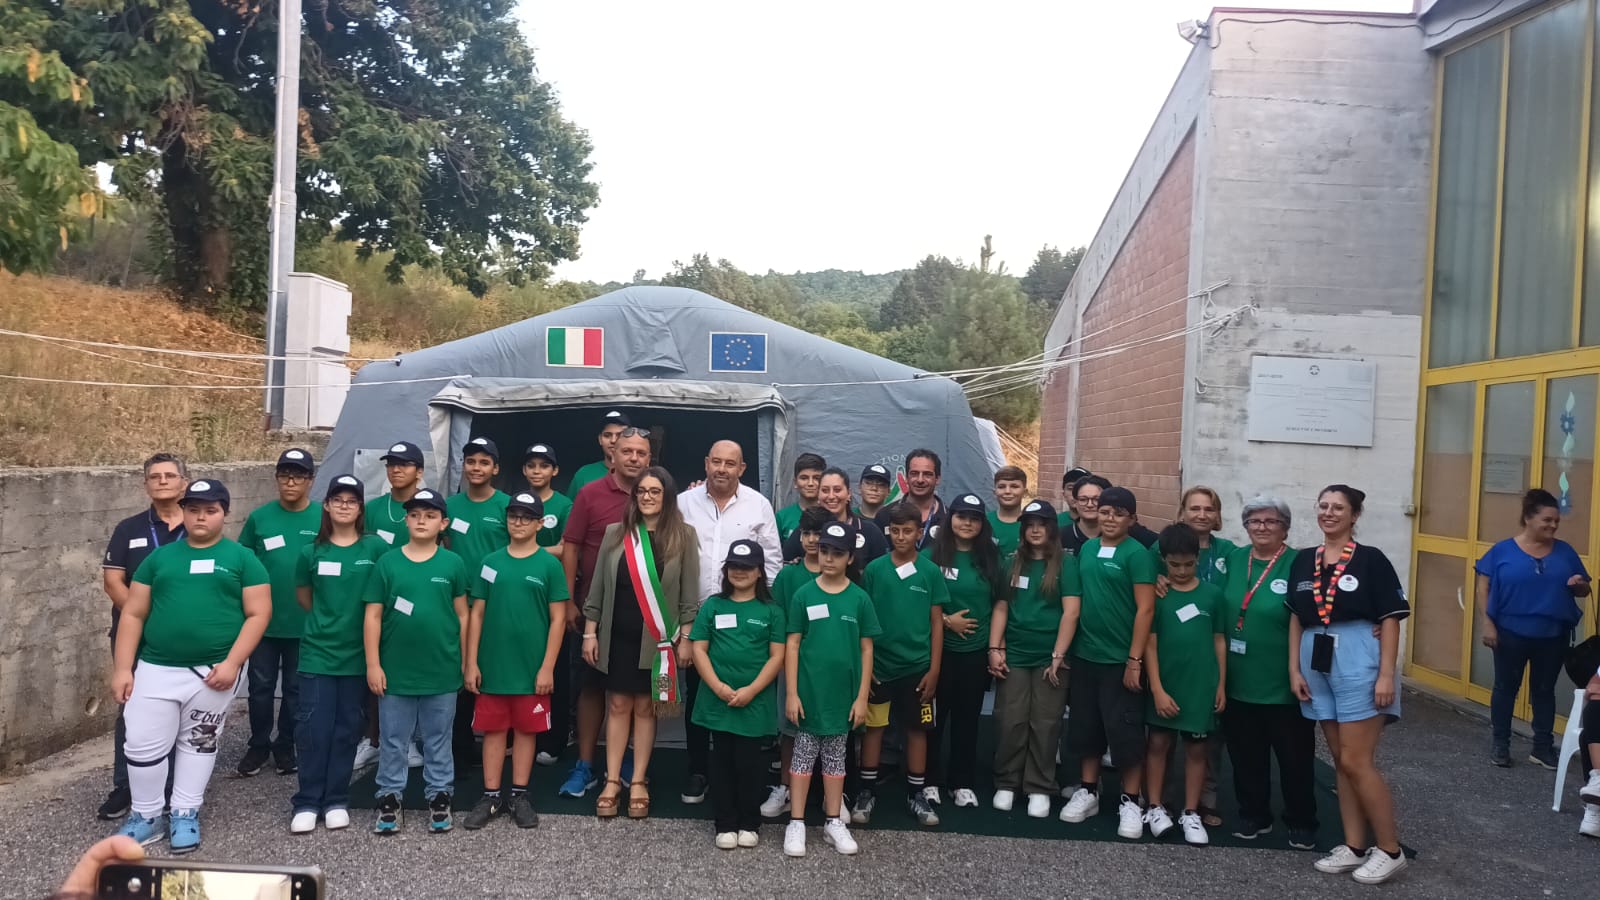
point(920, 294)
point(1046, 280)
point(986, 323)
point(424, 131)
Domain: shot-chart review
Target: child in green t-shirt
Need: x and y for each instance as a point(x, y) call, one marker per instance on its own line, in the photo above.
point(797, 572)
point(1186, 680)
point(414, 635)
point(519, 614)
point(739, 639)
point(540, 468)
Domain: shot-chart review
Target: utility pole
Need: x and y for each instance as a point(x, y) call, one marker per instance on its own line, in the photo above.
point(281, 217)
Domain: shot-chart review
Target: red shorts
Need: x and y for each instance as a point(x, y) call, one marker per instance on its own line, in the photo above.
point(522, 713)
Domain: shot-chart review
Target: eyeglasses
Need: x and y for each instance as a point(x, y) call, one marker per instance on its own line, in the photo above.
point(648, 492)
point(343, 501)
point(1262, 523)
point(631, 431)
point(293, 477)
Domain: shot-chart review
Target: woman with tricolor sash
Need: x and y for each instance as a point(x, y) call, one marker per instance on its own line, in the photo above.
point(639, 608)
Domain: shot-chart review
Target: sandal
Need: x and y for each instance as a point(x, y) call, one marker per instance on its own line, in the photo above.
point(1210, 817)
point(606, 807)
point(639, 807)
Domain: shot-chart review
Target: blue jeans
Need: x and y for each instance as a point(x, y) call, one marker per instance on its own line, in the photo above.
point(431, 718)
point(330, 719)
point(1542, 658)
point(270, 658)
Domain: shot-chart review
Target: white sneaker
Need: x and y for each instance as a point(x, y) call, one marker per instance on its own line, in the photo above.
point(1591, 822)
point(1194, 830)
point(545, 758)
point(835, 833)
point(1156, 817)
point(1038, 806)
point(413, 756)
point(1339, 861)
point(794, 838)
point(335, 819)
point(748, 839)
point(727, 840)
point(1130, 820)
point(303, 823)
point(931, 794)
point(1379, 867)
point(1082, 805)
point(964, 797)
point(1590, 793)
point(777, 802)
point(1003, 800)
point(366, 754)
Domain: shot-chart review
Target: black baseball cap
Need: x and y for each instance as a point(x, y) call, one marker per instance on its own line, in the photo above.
point(207, 490)
point(345, 484)
point(839, 536)
point(967, 503)
point(614, 417)
point(1119, 498)
point(1038, 509)
point(747, 554)
point(404, 452)
point(481, 445)
point(426, 499)
point(296, 458)
point(528, 503)
point(876, 472)
point(1073, 474)
point(540, 451)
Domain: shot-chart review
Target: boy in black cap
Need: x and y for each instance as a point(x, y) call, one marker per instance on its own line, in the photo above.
point(477, 528)
point(612, 424)
point(875, 485)
point(386, 515)
point(276, 532)
point(519, 614)
point(539, 467)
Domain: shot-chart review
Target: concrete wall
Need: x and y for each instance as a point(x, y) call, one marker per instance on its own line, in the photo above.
point(54, 655)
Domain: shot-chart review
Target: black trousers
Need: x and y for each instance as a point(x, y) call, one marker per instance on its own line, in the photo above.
point(1257, 732)
point(738, 781)
point(564, 700)
point(1590, 733)
point(963, 680)
point(696, 738)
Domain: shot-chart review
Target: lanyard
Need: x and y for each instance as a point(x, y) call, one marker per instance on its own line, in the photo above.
point(155, 540)
point(1239, 626)
point(1323, 593)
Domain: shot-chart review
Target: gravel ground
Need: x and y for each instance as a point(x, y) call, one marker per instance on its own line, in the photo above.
point(1479, 831)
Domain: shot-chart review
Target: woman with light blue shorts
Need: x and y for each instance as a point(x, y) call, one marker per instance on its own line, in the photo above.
point(1344, 643)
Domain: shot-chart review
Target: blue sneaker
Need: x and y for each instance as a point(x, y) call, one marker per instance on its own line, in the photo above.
point(579, 780)
point(185, 830)
point(145, 831)
point(627, 766)
point(389, 815)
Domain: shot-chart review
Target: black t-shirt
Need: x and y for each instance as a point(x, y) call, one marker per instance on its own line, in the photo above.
point(1368, 591)
point(134, 539)
point(871, 543)
point(1073, 539)
point(930, 527)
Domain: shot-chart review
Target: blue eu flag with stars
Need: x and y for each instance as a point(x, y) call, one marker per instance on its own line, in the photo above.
point(734, 351)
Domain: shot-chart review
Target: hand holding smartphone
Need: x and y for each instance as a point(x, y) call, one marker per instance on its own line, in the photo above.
point(153, 879)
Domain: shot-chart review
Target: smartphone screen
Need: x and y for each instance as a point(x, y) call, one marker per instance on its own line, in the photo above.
point(160, 879)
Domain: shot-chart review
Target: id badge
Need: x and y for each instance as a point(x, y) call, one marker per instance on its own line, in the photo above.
point(1236, 646)
point(1322, 645)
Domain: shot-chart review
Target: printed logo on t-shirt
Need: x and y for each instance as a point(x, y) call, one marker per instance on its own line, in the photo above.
point(1222, 565)
point(1279, 586)
point(850, 619)
point(439, 580)
point(534, 579)
point(549, 521)
point(917, 588)
point(1348, 583)
point(1305, 586)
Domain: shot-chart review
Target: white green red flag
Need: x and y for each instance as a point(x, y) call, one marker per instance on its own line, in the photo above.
point(898, 490)
point(583, 348)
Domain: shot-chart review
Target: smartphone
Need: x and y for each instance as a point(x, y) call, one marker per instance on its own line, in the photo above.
point(155, 879)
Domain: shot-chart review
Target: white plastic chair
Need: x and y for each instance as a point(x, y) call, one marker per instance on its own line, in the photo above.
point(1569, 746)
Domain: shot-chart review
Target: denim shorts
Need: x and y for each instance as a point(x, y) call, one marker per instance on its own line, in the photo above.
point(1345, 694)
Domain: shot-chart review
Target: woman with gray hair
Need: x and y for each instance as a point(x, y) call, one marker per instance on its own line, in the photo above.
point(1262, 718)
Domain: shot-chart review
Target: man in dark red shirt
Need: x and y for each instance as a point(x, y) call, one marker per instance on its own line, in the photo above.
point(598, 505)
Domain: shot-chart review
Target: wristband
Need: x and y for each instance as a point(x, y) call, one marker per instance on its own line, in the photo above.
point(1136, 660)
point(591, 637)
point(1058, 656)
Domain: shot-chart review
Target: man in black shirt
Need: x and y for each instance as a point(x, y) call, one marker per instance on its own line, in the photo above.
point(923, 471)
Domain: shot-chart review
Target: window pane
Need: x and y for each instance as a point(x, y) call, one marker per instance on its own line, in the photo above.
point(1469, 160)
point(1447, 459)
point(1482, 673)
point(1437, 610)
point(1569, 453)
point(1507, 459)
point(1539, 230)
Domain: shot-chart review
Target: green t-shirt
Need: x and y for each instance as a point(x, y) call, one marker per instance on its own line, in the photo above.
point(789, 579)
point(386, 518)
point(1258, 655)
point(476, 528)
point(1064, 520)
point(1211, 567)
point(1105, 626)
point(420, 646)
point(1007, 535)
point(332, 642)
point(903, 597)
point(556, 512)
point(967, 591)
point(196, 601)
point(516, 617)
point(592, 472)
point(831, 627)
point(1033, 619)
point(788, 521)
point(276, 536)
point(739, 636)
point(1185, 628)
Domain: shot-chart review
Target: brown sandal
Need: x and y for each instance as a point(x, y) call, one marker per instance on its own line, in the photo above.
point(606, 807)
point(639, 807)
point(1210, 817)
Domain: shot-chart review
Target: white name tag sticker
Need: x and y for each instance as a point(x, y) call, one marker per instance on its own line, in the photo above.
point(1236, 646)
point(388, 536)
point(403, 606)
point(1187, 612)
point(326, 567)
point(1107, 552)
point(729, 620)
point(202, 566)
point(272, 543)
point(952, 574)
point(1021, 581)
point(487, 574)
point(461, 526)
point(136, 543)
point(817, 611)
point(906, 571)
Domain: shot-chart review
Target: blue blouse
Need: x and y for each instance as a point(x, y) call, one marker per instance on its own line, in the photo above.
point(1529, 597)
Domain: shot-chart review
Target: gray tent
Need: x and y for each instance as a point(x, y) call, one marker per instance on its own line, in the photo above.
point(688, 366)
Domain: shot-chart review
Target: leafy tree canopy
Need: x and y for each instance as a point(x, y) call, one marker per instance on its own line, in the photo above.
point(1046, 280)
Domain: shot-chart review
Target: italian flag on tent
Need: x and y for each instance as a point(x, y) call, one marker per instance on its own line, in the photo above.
point(898, 491)
point(583, 348)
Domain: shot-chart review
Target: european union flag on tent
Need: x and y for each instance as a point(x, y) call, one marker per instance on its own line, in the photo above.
point(738, 351)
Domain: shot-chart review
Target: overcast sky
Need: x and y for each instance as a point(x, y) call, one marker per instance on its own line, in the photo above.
point(856, 135)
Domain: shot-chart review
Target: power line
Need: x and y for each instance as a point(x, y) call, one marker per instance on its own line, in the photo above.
point(218, 387)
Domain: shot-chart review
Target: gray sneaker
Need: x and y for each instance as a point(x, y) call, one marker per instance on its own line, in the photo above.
point(482, 812)
point(918, 806)
point(522, 812)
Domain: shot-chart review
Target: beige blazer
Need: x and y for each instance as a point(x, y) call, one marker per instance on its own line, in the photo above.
point(680, 582)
